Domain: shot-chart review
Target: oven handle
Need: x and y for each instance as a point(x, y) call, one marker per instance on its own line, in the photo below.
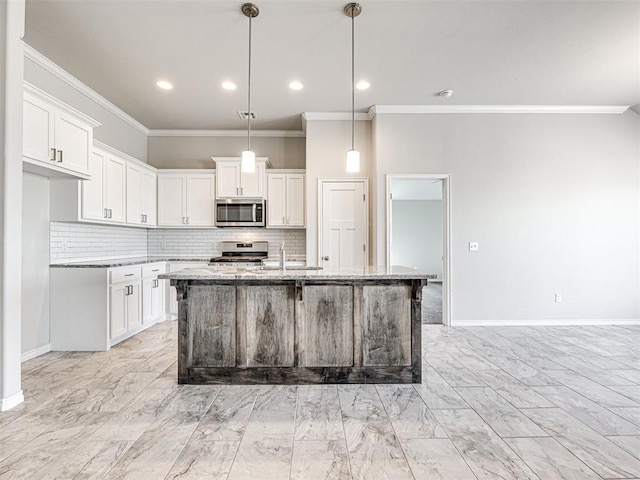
point(254, 212)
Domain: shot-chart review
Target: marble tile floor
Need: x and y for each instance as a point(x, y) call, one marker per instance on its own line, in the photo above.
point(495, 403)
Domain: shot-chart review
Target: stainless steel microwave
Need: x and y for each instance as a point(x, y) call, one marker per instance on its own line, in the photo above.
point(240, 212)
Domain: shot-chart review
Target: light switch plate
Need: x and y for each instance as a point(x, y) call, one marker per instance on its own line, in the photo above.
point(473, 246)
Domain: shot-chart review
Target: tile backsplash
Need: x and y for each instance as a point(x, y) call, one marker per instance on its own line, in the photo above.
point(206, 243)
point(80, 242)
point(84, 242)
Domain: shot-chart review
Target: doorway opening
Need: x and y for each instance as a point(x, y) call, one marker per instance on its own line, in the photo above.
point(418, 236)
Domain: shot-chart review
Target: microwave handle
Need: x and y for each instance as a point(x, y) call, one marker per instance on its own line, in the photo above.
point(254, 212)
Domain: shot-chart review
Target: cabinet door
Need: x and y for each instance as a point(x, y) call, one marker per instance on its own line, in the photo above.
point(270, 325)
point(157, 301)
point(295, 200)
point(37, 129)
point(252, 184)
point(115, 174)
point(134, 194)
point(148, 197)
point(93, 190)
point(74, 139)
point(147, 300)
point(227, 179)
point(172, 194)
point(276, 200)
point(200, 200)
point(117, 310)
point(134, 307)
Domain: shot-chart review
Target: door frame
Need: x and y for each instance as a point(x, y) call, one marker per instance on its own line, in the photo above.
point(446, 232)
point(363, 180)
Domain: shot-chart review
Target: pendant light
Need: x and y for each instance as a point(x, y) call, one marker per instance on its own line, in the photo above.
point(248, 164)
point(353, 156)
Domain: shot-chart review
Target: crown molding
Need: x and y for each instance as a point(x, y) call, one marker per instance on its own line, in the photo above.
point(575, 109)
point(37, 92)
point(332, 116)
point(42, 61)
point(225, 133)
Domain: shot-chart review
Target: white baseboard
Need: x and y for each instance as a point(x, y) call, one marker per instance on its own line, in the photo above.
point(560, 322)
point(12, 401)
point(36, 352)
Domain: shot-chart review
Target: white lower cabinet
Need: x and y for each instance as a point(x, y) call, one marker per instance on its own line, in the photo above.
point(153, 294)
point(92, 309)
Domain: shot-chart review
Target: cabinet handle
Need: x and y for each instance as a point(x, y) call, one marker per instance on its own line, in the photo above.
point(156, 270)
point(105, 213)
point(183, 220)
point(145, 218)
point(128, 274)
point(241, 190)
point(53, 153)
point(187, 220)
point(110, 213)
point(60, 152)
point(283, 221)
point(237, 190)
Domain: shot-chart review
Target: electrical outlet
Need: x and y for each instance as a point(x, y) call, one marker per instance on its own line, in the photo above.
point(473, 246)
point(558, 298)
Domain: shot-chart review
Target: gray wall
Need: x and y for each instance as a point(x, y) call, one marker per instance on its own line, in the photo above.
point(114, 131)
point(416, 234)
point(35, 262)
point(551, 199)
point(196, 152)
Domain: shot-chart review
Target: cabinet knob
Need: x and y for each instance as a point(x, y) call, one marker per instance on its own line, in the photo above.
point(325, 258)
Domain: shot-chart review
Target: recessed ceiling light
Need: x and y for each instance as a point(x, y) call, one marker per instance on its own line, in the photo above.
point(362, 85)
point(163, 84)
point(296, 86)
point(229, 85)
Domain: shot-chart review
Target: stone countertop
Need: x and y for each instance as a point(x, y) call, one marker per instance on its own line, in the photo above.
point(124, 262)
point(346, 273)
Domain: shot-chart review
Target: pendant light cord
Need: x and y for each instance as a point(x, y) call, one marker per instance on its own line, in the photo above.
point(353, 81)
point(249, 91)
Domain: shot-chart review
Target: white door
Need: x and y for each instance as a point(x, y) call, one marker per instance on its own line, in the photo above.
point(276, 200)
point(37, 128)
point(134, 307)
point(118, 310)
point(200, 200)
point(343, 228)
point(134, 193)
point(148, 197)
point(295, 200)
point(172, 196)
point(93, 190)
point(115, 174)
point(73, 140)
point(252, 184)
point(228, 179)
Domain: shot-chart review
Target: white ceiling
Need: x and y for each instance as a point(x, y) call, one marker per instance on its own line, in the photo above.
point(533, 52)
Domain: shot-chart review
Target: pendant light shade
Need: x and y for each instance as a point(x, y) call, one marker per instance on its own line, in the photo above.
point(352, 10)
point(248, 164)
point(353, 161)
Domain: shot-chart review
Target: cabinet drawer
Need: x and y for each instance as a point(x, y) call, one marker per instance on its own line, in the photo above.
point(153, 270)
point(125, 274)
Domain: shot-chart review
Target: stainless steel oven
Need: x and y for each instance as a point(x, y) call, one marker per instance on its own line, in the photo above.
point(240, 212)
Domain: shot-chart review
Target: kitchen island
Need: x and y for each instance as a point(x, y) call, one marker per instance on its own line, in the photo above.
point(257, 326)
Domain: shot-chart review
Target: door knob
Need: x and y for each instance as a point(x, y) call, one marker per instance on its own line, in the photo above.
point(325, 258)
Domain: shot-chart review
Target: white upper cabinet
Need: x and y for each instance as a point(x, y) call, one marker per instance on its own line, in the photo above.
point(121, 189)
point(141, 195)
point(186, 199)
point(285, 200)
point(103, 197)
point(57, 139)
point(231, 182)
